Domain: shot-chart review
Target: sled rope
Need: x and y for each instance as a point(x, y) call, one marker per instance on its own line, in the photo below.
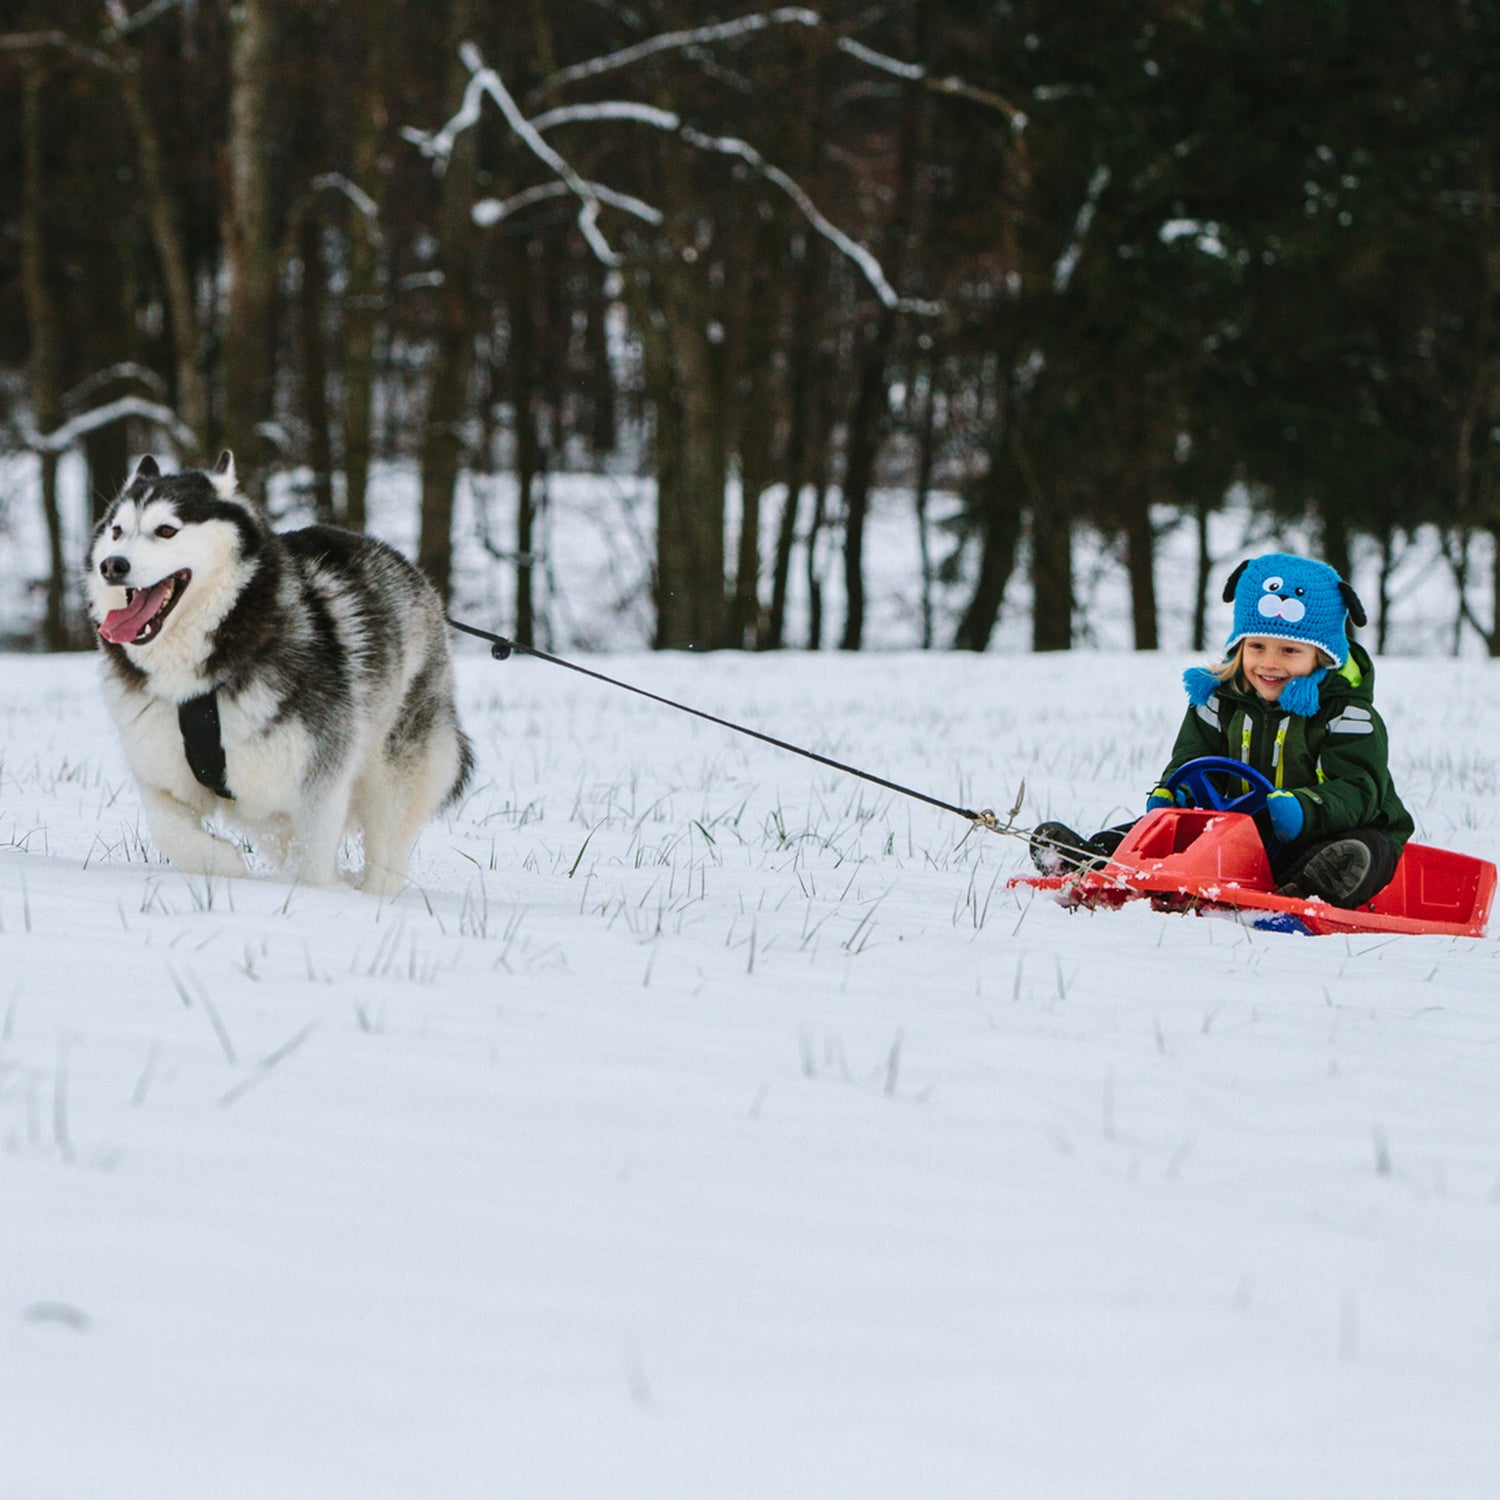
point(985, 818)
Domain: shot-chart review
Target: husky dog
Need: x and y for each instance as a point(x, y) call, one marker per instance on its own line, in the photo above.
point(293, 684)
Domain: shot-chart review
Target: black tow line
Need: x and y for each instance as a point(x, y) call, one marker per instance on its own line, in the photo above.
point(501, 648)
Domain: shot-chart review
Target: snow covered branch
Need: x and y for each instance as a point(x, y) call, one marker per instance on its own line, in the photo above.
point(126, 370)
point(867, 263)
point(915, 73)
point(490, 211)
point(123, 22)
point(1067, 262)
point(61, 438)
point(364, 204)
point(486, 80)
point(41, 41)
point(668, 41)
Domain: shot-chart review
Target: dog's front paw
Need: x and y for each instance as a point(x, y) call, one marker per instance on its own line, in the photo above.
point(382, 881)
point(208, 856)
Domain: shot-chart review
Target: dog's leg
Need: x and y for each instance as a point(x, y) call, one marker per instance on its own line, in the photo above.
point(391, 822)
point(178, 832)
point(391, 803)
point(313, 849)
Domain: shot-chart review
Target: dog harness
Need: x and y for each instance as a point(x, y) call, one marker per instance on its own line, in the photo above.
point(198, 719)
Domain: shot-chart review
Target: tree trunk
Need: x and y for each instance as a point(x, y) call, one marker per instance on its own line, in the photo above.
point(45, 332)
point(999, 516)
point(1335, 532)
point(453, 347)
point(249, 237)
point(106, 451)
point(315, 412)
point(1051, 557)
point(1383, 603)
point(804, 360)
point(866, 429)
point(814, 578)
point(690, 469)
point(163, 216)
point(1140, 564)
point(818, 470)
point(926, 458)
point(1204, 582)
point(755, 317)
point(362, 303)
point(521, 367)
point(684, 384)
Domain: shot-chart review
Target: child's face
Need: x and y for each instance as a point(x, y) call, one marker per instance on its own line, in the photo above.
point(1269, 663)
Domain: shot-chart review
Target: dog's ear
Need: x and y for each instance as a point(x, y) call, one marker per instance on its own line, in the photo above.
point(223, 478)
point(1233, 581)
point(145, 469)
point(1351, 603)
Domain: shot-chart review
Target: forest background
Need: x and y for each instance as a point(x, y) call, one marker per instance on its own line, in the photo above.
point(1099, 266)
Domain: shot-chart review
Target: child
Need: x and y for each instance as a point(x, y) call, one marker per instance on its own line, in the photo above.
point(1294, 699)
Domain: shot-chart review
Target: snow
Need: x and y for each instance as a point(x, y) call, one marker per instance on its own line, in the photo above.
point(706, 1122)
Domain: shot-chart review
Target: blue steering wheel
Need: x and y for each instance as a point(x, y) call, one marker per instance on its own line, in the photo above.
point(1194, 776)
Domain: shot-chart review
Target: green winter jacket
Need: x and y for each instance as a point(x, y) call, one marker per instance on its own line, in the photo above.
point(1334, 759)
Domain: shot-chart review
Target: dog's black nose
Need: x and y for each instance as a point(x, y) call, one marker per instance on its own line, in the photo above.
point(115, 569)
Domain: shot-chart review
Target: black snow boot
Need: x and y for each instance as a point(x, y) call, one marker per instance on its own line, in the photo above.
point(1338, 872)
point(1057, 849)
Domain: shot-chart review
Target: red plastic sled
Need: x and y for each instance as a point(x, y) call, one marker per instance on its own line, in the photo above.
point(1191, 859)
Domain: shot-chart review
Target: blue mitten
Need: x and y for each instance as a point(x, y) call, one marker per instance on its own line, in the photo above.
point(1161, 797)
point(1286, 814)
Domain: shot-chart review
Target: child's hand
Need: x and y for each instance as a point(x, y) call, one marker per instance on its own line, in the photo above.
point(1161, 797)
point(1286, 814)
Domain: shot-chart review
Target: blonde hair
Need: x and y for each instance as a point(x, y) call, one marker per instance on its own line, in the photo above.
point(1231, 669)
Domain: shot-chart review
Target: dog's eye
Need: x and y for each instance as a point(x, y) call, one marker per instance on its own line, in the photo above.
point(166, 532)
point(115, 533)
point(1272, 585)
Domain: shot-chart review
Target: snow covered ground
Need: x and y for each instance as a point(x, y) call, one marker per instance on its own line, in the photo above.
point(708, 1123)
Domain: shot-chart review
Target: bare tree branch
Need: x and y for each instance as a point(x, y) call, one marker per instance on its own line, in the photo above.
point(915, 73)
point(730, 146)
point(673, 40)
point(439, 144)
point(41, 41)
point(490, 211)
point(69, 432)
point(487, 81)
point(124, 23)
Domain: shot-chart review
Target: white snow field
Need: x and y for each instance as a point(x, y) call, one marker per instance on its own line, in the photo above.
point(704, 1122)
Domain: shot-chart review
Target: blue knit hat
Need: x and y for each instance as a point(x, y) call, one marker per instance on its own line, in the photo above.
point(1294, 599)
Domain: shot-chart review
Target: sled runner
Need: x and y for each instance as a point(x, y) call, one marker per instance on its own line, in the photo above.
point(1211, 856)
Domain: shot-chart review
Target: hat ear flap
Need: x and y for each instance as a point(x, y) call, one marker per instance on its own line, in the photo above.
point(1351, 603)
point(1233, 581)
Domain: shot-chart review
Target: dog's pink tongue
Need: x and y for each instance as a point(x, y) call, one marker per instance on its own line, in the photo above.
point(121, 626)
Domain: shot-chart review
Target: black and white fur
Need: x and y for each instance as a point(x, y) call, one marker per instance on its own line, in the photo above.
point(329, 654)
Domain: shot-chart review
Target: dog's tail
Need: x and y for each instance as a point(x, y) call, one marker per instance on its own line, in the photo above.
point(465, 767)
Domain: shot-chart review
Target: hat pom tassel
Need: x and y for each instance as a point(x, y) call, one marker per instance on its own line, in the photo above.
point(1302, 695)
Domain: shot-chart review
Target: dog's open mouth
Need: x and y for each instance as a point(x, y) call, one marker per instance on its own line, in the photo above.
point(145, 611)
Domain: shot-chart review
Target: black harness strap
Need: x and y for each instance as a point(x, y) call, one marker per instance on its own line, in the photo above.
point(202, 743)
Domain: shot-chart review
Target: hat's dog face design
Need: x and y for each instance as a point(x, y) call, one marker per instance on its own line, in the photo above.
point(1280, 601)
